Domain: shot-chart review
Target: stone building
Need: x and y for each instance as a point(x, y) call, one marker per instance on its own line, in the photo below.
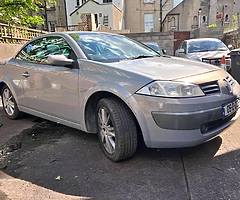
point(225, 13)
point(144, 15)
point(209, 16)
point(187, 16)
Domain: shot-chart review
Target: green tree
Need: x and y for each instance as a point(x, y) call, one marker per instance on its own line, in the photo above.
point(23, 12)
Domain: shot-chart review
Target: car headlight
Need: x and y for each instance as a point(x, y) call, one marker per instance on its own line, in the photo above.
point(171, 89)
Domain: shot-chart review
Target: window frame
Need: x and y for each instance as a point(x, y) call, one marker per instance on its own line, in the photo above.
point(42, 38)
point(184, 43)
point(144, 22)
point(148, 1)
point(107, 1)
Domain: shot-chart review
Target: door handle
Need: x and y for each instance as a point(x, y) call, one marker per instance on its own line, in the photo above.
point(26, 74)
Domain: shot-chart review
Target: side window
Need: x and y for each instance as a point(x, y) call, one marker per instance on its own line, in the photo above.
point(180, 46)
point(184, 46)
point(39, 50)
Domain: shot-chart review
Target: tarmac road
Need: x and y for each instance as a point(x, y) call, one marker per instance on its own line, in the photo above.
point(50, 161)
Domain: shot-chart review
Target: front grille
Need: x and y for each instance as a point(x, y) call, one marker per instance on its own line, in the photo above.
point(212, 61)
point(217, 61)
point(210, 88)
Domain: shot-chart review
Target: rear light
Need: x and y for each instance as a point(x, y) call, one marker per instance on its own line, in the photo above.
point(223, 62)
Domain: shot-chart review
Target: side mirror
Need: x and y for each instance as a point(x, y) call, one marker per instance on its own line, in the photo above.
point(164, 51)
point(59, 60)
point(182, 51)
point(230, 47)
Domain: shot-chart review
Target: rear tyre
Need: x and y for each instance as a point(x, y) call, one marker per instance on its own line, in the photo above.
point(117, 129)
point(9, 104)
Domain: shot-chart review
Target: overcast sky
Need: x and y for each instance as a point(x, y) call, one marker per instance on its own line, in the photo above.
point(177, 1)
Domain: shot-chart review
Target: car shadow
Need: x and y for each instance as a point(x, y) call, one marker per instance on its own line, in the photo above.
point(70, 162)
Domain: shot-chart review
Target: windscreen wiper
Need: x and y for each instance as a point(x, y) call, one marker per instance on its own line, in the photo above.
point(140, 57)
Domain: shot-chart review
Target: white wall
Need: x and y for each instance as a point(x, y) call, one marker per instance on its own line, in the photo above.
point(71, 6)
point(93, 9)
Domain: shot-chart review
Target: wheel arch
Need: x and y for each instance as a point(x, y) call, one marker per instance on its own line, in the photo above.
point(1, 85)
point(91, 107)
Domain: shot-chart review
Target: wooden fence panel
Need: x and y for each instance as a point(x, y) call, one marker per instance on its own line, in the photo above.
point(15, 34)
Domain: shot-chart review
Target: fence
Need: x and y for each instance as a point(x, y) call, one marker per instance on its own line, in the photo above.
point(14, 34)
point(79, 27)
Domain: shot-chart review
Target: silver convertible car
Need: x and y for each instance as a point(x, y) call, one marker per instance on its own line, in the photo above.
point(116, 87)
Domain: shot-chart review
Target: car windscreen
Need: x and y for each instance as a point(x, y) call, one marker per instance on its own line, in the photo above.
point(108, 48)
point(155, 47)
point(206, 45)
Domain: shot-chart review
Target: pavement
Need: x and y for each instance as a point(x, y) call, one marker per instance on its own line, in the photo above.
point(44, 160)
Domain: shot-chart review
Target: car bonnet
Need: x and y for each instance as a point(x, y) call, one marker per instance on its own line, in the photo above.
point(164, 68)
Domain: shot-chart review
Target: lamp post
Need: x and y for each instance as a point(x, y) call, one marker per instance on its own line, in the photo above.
point(161, 15)
point(199, 17)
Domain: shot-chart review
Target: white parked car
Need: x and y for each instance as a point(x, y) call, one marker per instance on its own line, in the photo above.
point(209, 50)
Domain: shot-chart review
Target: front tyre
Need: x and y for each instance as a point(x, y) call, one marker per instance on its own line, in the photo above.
point(9, 103)
point(117, 129)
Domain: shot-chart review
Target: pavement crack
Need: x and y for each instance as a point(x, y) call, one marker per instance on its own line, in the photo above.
point(218, 169)
point(185, 177)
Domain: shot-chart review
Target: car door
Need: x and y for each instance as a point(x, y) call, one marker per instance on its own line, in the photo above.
point(48, 89)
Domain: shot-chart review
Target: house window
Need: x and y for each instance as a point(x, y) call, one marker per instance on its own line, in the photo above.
point(107, 1)
point(204, 19)
point(148, 1)
point(173, 23)
point(195, 20)
point(52, 26)
point(105, 20)
point(148, 22)
point(226, 18)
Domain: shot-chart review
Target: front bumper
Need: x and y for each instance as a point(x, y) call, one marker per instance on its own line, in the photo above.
point(173, 123)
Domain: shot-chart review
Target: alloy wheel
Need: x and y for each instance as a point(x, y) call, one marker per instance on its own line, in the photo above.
point(106, 130)
point(8, 102)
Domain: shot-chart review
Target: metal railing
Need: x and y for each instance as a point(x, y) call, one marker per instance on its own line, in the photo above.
point(15, 34)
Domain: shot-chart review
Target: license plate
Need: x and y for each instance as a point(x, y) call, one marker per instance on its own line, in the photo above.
point(231, 108)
